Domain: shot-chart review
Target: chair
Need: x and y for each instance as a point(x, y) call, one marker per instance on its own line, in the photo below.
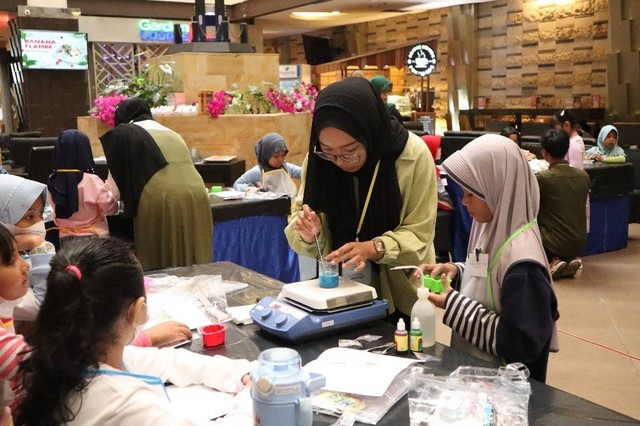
point(41, 163)
point(534, 128)
point(633, 157)
point(451, 144)
point(496, 126)
point(442, 239)
point(469, 133)
point(533, 147)
point(628, 134)
point(413, 125)
point(20, 148)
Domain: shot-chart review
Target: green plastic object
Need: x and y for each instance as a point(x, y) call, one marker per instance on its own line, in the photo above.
point(433, 284)
point(216, 188)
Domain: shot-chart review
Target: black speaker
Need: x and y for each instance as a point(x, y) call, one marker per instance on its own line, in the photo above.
point(244, 33)
point(177, 34)
point(219, 8)
point(198, 29)
point(199, 8)
point(222, 34)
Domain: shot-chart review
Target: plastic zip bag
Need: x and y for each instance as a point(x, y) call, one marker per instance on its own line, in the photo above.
point(470, 396)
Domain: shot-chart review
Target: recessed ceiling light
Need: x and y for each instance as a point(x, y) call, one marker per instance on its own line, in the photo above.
point(314, 15)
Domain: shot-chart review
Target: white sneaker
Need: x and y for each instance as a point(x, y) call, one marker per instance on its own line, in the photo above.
point(572, 268)
point(557, 269)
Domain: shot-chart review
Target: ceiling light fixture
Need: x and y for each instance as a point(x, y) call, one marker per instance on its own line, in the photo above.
point(314, 15)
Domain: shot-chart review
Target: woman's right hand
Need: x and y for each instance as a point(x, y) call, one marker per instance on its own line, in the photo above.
point(437, 269)
point(307, 224)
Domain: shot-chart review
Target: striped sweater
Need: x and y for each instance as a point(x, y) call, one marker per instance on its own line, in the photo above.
point(522, 331)
point(12, 350)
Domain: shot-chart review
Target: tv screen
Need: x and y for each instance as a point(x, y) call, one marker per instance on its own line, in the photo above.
point(54, 50)
point(317, 50)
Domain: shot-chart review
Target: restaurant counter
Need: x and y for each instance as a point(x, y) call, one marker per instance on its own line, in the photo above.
point(547, 405)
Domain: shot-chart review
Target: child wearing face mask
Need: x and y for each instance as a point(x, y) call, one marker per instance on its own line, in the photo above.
point(22, 203)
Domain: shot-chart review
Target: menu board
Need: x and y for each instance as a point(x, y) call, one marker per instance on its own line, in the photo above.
point(53, 50)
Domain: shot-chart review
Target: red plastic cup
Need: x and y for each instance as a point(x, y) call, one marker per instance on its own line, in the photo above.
point(213, 335)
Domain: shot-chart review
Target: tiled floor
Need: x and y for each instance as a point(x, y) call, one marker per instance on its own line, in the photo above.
point(602, 306)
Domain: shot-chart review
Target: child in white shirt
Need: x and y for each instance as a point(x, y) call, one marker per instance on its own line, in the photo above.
point(80, 372)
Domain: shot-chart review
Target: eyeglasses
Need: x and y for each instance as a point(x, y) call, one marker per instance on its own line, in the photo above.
point(349, 158)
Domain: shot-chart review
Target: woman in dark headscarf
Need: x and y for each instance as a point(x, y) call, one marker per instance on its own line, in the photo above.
point(271, 153)
point(81, 200)
point(368, 192)
point(383, 86)
point(160, 189)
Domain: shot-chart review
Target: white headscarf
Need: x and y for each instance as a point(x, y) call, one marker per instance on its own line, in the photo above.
point(601, 148)
point(17, 195)
point(493, 168)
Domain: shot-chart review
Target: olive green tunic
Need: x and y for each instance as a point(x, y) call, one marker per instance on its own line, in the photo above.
point(173, 226)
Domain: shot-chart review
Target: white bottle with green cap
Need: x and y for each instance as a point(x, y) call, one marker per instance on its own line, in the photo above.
point(423, 310)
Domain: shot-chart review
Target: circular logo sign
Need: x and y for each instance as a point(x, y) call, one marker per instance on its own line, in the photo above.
point(421, 60)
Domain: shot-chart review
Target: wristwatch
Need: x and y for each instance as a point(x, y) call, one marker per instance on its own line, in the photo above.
point(378, 245)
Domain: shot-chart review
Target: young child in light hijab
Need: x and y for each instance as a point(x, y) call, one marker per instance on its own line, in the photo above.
point(503, 306)
point(272, 173)
point(22, 203)
point(607, 150)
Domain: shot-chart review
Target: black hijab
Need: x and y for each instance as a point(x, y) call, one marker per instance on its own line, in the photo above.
point(72, 152)
point(132, 155)
point(353, 106)
point(132, 110)
point(269, 144)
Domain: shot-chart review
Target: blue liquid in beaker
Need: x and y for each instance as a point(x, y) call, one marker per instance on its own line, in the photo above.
point(329, 279)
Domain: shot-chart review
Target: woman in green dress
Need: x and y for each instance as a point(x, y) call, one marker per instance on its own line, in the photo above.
point(160, 189)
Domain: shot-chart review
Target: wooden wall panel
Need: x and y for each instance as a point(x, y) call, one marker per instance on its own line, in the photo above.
point(522, 50)
point(623, 61)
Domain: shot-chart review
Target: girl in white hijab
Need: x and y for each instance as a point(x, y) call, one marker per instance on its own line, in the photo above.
point(503, 306)
point(607, 150)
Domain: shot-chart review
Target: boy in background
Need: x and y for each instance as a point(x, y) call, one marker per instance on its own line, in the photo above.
point(563, 197)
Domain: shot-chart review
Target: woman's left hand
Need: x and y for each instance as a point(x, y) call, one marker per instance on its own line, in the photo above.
point(353, 255)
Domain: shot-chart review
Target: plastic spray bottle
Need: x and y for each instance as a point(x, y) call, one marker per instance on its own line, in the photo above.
point(425, 313)
point(401, 338)
point(415, 336)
